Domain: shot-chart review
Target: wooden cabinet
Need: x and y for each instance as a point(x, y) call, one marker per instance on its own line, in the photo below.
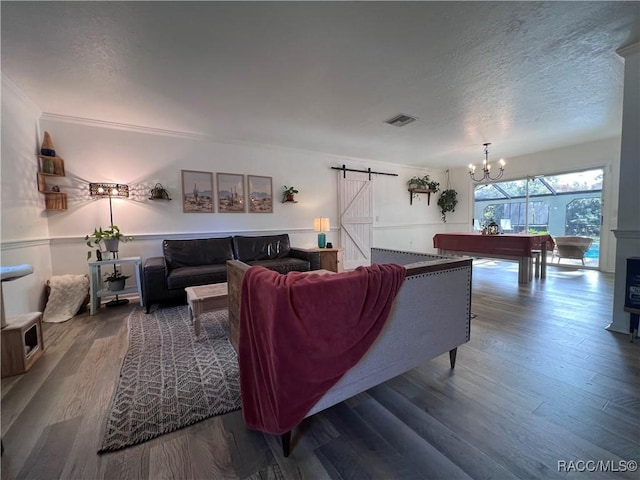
point(50, 168)
point(330, 258)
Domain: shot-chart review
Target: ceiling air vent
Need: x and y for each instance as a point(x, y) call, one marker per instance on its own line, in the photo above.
point(400, 120)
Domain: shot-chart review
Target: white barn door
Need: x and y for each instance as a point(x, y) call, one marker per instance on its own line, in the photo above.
point(355, 204)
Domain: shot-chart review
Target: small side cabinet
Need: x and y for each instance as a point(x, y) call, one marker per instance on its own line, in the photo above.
point(330, 259)
point(22, 343)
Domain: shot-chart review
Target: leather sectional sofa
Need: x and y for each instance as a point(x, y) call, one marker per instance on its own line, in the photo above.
point(188, 263)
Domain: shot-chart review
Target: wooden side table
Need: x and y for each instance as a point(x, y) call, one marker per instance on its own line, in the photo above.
point(22, 341)
point(330, 258)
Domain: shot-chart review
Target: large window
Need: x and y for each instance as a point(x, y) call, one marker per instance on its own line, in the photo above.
point(515, 213)
point(583, 217)
point(562, 205)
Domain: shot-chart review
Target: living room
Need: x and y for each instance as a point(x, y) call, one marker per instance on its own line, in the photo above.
point(110, 143)
point(116, 138)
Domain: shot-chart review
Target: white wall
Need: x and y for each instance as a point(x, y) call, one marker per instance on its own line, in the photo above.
point(412, 227)
point(628, 228)
point(95, 151)
point(140, 158)
point(24, 230)
point(599, 154)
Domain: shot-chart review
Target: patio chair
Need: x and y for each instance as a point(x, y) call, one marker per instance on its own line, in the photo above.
point(572, 247)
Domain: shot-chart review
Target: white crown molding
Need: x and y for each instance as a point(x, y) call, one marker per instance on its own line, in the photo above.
point(121, 126)
point(202, 136)
point(8, 83)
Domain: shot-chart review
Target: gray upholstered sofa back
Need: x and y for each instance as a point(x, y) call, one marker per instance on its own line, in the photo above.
point(430, 316)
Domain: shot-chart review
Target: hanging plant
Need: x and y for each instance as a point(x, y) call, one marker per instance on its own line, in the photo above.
point(447, 201)
point(159, 193)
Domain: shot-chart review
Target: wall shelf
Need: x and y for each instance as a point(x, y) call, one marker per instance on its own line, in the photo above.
point(52, 200)
point(58, 165)
point(413, 191)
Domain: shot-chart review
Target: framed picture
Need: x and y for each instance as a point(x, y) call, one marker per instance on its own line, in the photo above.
point(260, 194)
point(230, 193)
point(197, 192)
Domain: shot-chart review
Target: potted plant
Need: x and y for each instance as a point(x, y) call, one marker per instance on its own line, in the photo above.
point(115, 280)
point(447, 202)
point(159, 193)
point(111, 237)
point(288, 194)
point(423, 183)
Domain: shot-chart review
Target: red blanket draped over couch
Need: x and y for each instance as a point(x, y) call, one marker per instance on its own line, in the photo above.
point(299, 334)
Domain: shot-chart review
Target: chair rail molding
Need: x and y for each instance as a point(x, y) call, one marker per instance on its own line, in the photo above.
point(25, 243)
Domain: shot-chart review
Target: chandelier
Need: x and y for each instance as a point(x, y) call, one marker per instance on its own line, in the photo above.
point(486, 168)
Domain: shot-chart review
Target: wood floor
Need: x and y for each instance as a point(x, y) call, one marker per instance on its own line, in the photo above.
point(541, 383)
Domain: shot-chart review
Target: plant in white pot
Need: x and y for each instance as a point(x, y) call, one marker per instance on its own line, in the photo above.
point(115, 280)
point(111, 236)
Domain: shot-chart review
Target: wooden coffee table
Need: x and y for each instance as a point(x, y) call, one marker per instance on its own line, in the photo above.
point(205, 298)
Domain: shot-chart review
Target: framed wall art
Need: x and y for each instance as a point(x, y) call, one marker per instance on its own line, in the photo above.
point(260, 194)
point(197, 192)
point(230, 193)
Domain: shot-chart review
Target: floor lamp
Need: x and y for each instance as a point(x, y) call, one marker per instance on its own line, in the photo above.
point(111, 190)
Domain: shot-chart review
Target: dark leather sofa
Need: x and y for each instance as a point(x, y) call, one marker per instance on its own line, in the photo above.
point(188, 263)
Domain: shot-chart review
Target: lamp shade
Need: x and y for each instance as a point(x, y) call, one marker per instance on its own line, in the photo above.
point(321, 224)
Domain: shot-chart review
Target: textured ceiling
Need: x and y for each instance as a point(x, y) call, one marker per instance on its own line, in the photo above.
point(323, 76)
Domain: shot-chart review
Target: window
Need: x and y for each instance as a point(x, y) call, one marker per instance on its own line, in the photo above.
point(583, 217)
point(564, 204)
point(516, 212)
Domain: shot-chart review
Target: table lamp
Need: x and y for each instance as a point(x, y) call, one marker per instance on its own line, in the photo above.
point(321, 224)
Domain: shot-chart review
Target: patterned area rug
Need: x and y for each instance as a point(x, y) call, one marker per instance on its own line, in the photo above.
point(170, 379)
